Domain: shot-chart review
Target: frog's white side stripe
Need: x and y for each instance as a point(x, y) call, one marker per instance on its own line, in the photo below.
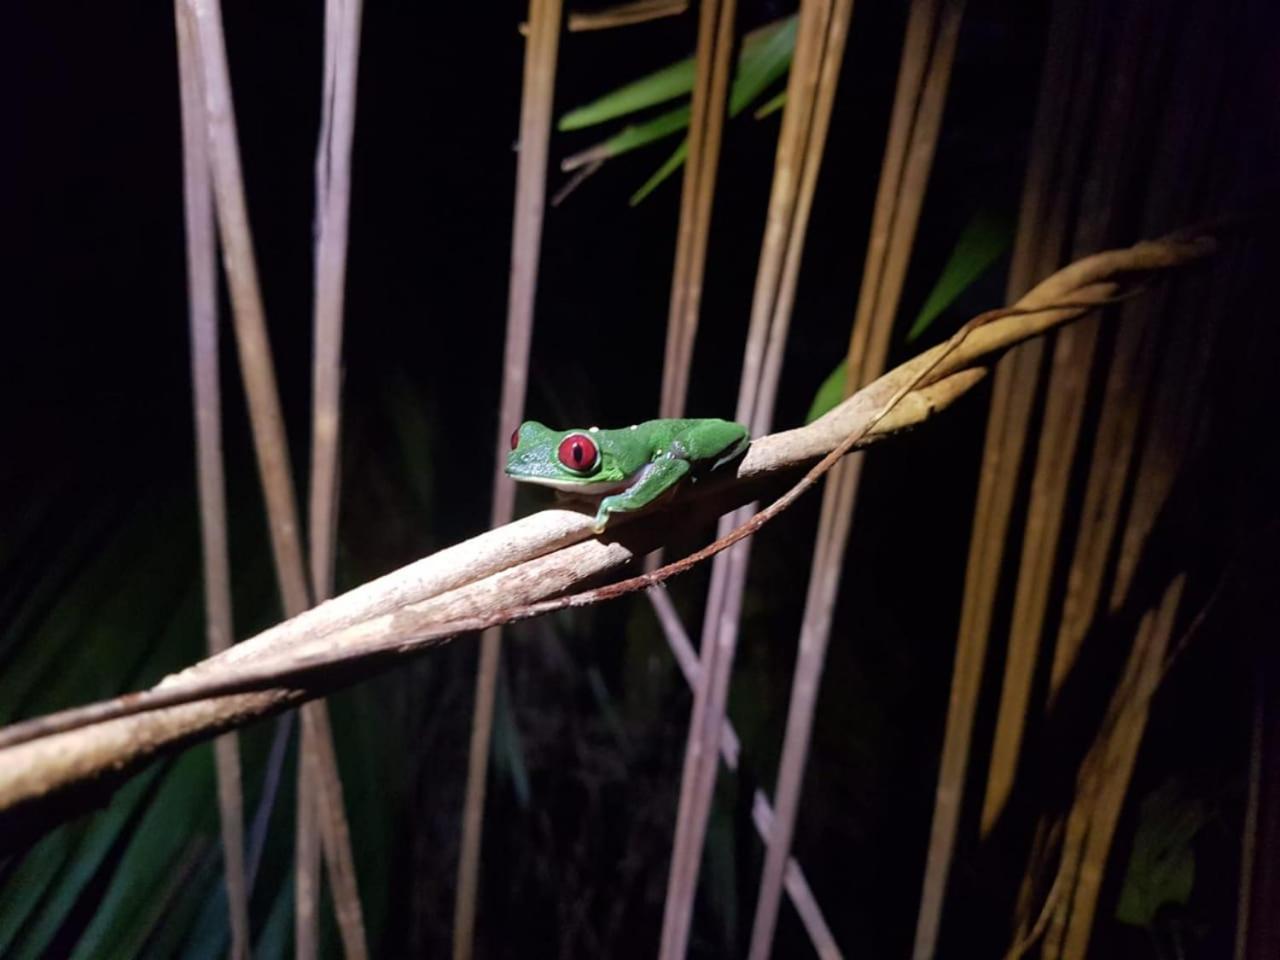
point(589, 488)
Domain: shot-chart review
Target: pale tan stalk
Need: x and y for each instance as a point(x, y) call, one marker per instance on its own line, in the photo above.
point(761, 812)
point(624, 14)
point(258, 374)
point(332, 205)
point(621, 15)
point(923, 79)
point(494, 571)
point(1249, 828)
point(1186, 346)
point(1071, 369)
point(706, 124)
point(810, 92)
point(1122, 754)
point(1181, 158)
point(714, 54)
point(537, 100)
point(1036, 248)
point(202, 294)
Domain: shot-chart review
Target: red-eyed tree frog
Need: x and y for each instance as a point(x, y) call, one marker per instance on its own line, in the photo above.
point(630, 468)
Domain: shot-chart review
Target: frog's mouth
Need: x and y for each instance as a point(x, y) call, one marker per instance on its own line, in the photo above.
point(597, 488)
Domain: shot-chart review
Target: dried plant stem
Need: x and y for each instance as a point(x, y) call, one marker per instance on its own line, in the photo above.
point(1174, 411)
point(621, 15)
point(202, 292)
point(1055, 146)
point(258, 374)
point(706, 124)
point(1133, 359)
point(1104, 781)
point(307, 846)
point(625, 14)
point(533, 561)
point(541, 556)
point(332, 204)
point(1070, 373)
point(1249, 828)
point(810, 92)
point(536, 105)
point(762, 813)
point(256, 365)
point(917, 116)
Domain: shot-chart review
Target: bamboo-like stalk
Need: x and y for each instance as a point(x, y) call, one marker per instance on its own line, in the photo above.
point(762, 814)
point(1105, 778)
point(620, 15)
point(537, 100)
point(925, 70)
point(543, 555)
point(800, 147)
point(202, 293)
point(1181, 159)
point(706, 124)
point(624, 14)
point(1056, 144)
point(1053, 917)
point(256, 365)
point(332, 205)
point(1122, 754)
point(714, 55)
point(266, 420)
point(1174, 411)
point(1249, 828)
point(1071, 369)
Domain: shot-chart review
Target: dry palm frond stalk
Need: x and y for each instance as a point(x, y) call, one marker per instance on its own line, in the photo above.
point(924, 74)
point(332, 204)
point(811, 85)
point(537, 99)
point(1104, 197)
point(711, 87)
point(202, 298)
point(502, 573)
point(1056, 143)
point(258, 373)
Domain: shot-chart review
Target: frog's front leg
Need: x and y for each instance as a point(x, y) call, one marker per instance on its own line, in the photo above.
point(658, 478)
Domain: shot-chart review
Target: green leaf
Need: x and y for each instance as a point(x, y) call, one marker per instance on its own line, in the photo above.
point(670, 166)
point(658, 87)
point(274, 939)
point(982, 242)
point(26, 886)
point(1162, 866)
point(148, 870)
point(829, 394)
point(758, 67)
point(772, 105)
point(508, 751)
point(631, 138)
point(765, 56)
point(666, 84)
point(761, 64)
point(104, 830)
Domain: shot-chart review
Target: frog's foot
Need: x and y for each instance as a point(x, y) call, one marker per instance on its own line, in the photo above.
point(601, 520)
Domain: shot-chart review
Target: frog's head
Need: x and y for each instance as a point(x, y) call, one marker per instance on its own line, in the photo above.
point(569, 460)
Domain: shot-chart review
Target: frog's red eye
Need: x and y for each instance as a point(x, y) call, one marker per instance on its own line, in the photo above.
point(515, 438)
point(578, 452)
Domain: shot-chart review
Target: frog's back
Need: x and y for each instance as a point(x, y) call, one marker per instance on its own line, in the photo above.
point(695, 439)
